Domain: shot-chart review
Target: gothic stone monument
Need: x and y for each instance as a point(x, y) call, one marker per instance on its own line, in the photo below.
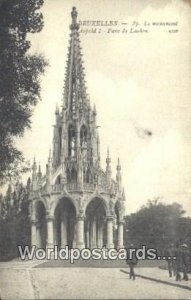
point(76, 203)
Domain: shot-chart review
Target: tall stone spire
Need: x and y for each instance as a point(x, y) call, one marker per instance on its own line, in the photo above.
point(75, 141)
point(74, 174)
point(108, 168)
point(118, 175)
point(39, 173)
point(49, 170)
point(34, 175)
point(75, 96)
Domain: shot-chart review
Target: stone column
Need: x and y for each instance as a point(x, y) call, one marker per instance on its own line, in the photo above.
point(50, 231)
point(110, 232)
point(88, 235)
point(74, 241)
point(80, 232)
point(100, 234)
point(54, 232)
point(38, 235)
point(94, 240)
point(33, 233)
point(63, 232)
point(120, 235)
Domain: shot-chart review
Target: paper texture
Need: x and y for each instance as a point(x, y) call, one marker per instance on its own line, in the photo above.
point(137, 69)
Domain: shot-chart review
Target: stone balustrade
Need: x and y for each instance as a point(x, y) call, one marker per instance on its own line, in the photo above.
point(73, 187)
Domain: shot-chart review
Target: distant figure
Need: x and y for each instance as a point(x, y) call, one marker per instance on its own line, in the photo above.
point(131, 261)
point(178, 254)
point(182, 262)
point(170, 253)
point(185, 261)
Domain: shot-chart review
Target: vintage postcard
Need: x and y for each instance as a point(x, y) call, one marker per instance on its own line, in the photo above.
point(95, 149)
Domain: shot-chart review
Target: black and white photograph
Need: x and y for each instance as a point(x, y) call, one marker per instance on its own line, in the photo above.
point(95, 149)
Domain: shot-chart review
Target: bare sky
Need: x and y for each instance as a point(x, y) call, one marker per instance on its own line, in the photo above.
point(140, 84)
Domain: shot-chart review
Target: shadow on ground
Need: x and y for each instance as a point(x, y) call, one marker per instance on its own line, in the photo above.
point(93, 263)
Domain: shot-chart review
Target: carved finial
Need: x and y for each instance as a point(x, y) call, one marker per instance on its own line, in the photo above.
point(49, 157)
point(107, 151)
point(108, 160)
point(57, 109)
point(94, 110)
point(39, 172)
point(118, 175)
point(74, 15)
point(34, 165)
point(108, 168)
point(39, 168)
point(98, 139)
point(118, 165)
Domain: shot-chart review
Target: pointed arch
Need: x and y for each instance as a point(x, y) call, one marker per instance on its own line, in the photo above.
point(64, 196)
point(64, 223)
point(34, 207)
point(84, 140)
point(71, 140)
point(58, 179)
point(95, 226)
point(101, 198)
point(87, 175)
point(41, 229)
point(60, 139)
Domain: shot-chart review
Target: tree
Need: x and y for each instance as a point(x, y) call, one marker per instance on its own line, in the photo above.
point(14, 220)
point(155, 225)
point(23, 230)
point(184, 230)
point(19, 78)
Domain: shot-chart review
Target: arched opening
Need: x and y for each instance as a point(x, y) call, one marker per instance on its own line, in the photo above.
point(58, 180)
point(60, 139)
point(71, 141)
point(87, 176)
point(73, 100)
point(41, 230)
point(72, 176)
point(95, 225)
point(65, 224)
point(83, 140)
point(57, 184)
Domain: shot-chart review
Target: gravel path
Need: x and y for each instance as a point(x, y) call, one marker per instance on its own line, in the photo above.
point(81, 283)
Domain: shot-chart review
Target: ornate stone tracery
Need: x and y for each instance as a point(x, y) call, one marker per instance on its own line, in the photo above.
point(79, 199)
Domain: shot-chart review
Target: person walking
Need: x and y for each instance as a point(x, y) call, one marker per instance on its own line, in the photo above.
point(131, 261)
point(185, 261)
point(178, 261)
point(170, 254)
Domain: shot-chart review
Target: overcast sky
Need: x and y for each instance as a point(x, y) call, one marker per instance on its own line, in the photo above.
point(140, 84)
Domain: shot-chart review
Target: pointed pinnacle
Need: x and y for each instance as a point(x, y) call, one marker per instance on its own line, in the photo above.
point(49, 158)
point(34, 167)
point(74, 24)
point(108, 152)
point(108, 160)
point(57, 109)
point(118, 164)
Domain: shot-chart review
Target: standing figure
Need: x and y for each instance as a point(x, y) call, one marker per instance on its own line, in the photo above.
point(178, 255)
point(131, 261)
point(185, 261)
point(170, 254)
